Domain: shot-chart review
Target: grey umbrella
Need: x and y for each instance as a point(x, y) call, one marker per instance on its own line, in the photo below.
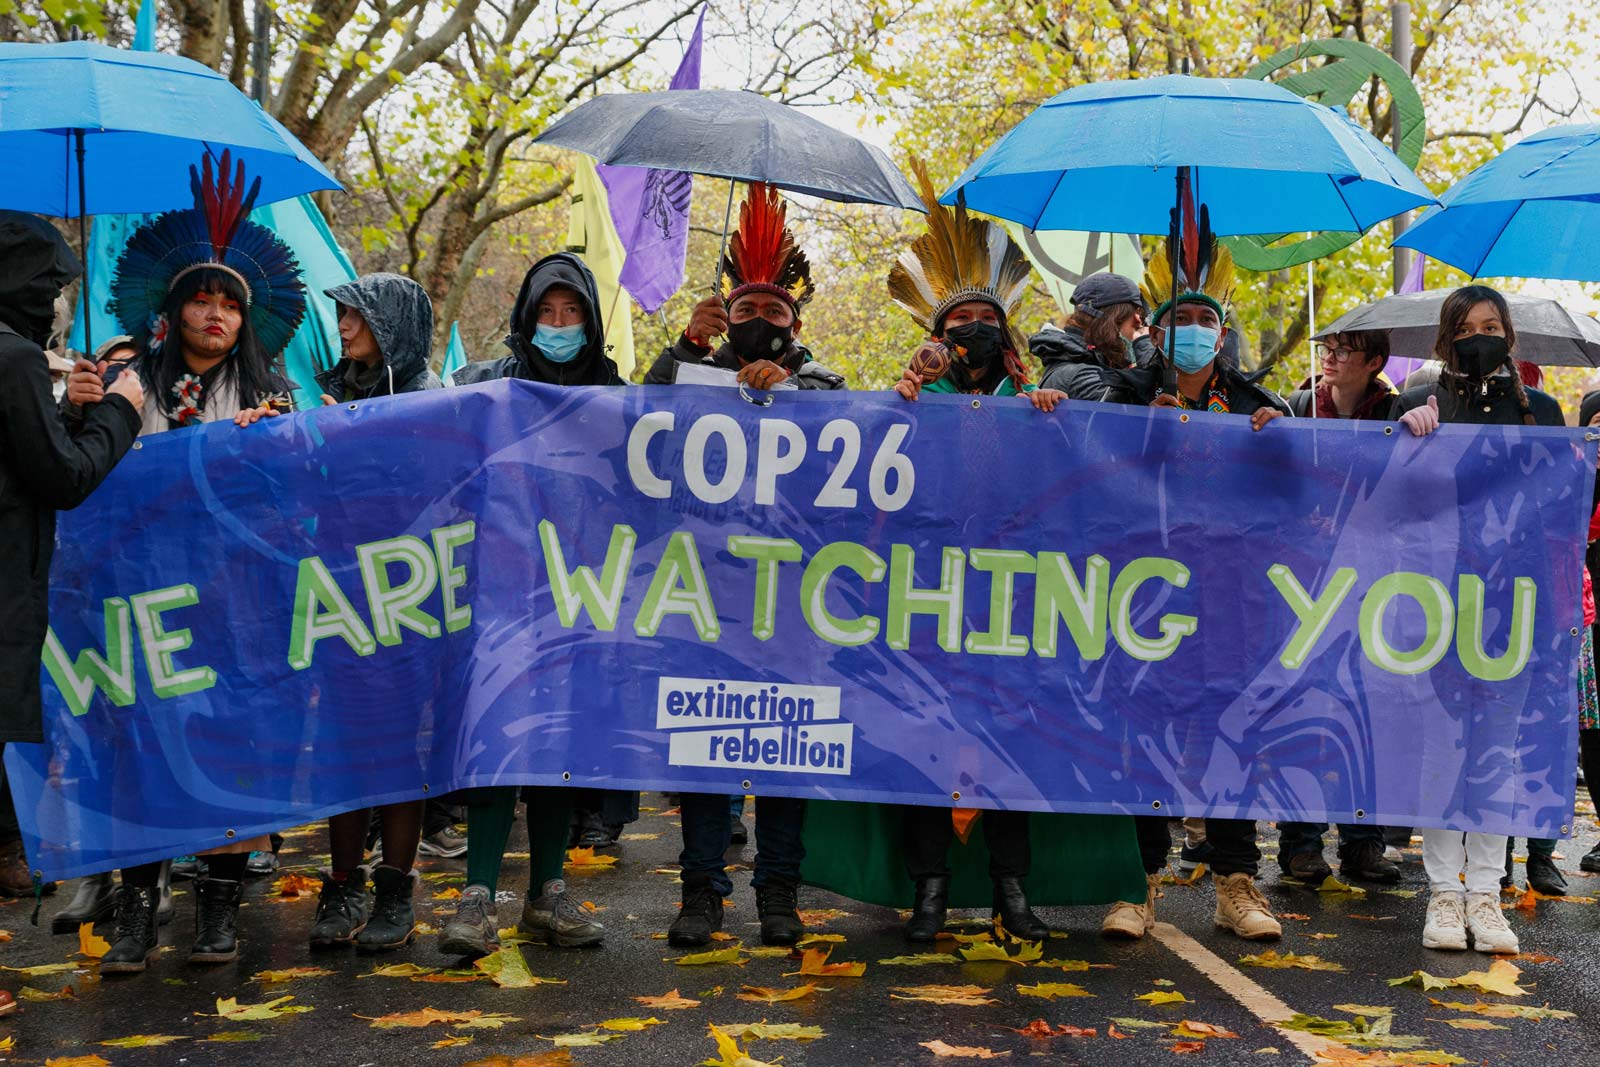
point(1547, 333)
point(741, 136)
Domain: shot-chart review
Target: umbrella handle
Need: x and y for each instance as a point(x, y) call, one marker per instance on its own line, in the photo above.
point(727, 216)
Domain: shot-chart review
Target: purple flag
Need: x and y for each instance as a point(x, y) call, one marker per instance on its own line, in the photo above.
point(650, 209)
point(1400, 368)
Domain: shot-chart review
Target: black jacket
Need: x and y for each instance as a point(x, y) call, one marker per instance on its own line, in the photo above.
point(400, 316)
point(1072, 367)
point(1491, 400)
point(42, 469)
point(806, 372)
point(591, 366)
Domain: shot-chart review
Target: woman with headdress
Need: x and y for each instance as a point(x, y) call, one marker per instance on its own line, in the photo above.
point(1478, 383)
point(210, 299)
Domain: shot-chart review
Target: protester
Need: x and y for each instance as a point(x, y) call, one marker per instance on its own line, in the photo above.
point(1351, 384)
point(42, 469)
point(765, 285)
point(386, 337)
point(1477, 384)
point(208, 318)
point(557, 338)
point(766, 280)
point(1103, 353)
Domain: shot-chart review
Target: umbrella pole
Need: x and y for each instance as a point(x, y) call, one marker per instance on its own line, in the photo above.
point(727, 216)
point(83, 247)
point(1173, 242)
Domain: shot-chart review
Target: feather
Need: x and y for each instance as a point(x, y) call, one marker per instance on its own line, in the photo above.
point(763, 251)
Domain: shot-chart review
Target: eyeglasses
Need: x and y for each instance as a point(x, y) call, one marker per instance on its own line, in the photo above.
point(1338, 354)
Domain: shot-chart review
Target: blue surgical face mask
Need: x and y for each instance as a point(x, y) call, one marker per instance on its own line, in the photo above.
point(1195, 346)
point(559, 344)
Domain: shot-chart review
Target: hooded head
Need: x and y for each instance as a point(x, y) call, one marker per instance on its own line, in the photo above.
point(399, 314)
point(588, 365)
point(35, 265)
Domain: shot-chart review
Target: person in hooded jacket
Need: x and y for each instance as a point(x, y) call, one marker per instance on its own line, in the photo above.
point(386, 337)
point(556, 337)
point(1103, 353)
point(43, 469)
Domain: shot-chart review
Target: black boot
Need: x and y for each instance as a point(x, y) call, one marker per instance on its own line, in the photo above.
point(1590, 861)
point(1507, 880)
point(927, 913)
point(1544, 876)
point(94, 902)
point(135, 940)
point(775, 907)
point(699, 918)
point(1364, 861)
point(216, 915)
point(1011, 904)
point(394, 921)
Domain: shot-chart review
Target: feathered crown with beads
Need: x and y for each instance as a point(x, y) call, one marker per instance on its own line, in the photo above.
point(762, 254)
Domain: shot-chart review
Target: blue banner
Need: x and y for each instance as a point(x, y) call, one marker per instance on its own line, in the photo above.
point(958, 601)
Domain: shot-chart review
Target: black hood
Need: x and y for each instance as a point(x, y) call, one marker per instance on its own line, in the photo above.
point(400, 316)
point(590, 366)
point(35, 265)
point(1053, 345)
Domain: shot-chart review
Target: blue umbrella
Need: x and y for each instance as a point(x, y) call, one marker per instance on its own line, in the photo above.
point(1108, 157)
point(1533, 211)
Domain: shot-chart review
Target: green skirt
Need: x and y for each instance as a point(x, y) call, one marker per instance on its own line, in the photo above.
point(854, 850)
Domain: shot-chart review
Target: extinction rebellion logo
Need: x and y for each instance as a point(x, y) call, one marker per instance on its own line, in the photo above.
point(753, 725)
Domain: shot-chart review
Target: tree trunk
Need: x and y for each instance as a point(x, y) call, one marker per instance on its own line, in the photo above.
point(204, 30)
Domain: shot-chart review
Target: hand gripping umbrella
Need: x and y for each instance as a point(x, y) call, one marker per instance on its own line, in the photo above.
point(741, 136)
point(1114, 156)
point(90, 130)
point(1533, 211)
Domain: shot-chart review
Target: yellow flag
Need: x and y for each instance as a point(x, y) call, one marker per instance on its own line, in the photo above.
point(593, 237)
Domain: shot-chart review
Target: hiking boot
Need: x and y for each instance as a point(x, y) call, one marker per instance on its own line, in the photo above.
point(555, 917)
point(1308, 867)
point(1011, 904)
point(1487, 922)
point(16, 877)
point(1365, 861)
point(1242, 909)
point(928, 911)
point(1129, 920)
point(341, 909)
point(446, 844)
point(473, 930)
point(1590, 861)
point(94, 902)
point(698, 918)
point(776, 904)
point(393, 922)
point(216, 920)
point(134, 942)
point(1545, 877)
point(1446, 924)
point(738, 832)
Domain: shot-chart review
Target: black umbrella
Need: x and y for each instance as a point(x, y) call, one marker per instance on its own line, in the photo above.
point(1547, 333)
point(741, 136)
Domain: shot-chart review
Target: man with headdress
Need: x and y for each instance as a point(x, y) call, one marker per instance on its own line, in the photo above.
point(766, 280)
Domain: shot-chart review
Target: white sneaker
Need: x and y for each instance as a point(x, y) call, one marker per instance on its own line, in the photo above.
point(1392, 854)
point(1445, 926)
point(1488, 924)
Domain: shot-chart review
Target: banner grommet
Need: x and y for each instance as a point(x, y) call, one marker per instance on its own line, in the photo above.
point(566, 776)
point(956, 795)
point(1361, 813)
point(138, 446)
point(424, 787)
point(230, 835)
point(1183, 418)
point(1155, 805)
point(1574, 631)
point(1388, 431)
point(745, 785)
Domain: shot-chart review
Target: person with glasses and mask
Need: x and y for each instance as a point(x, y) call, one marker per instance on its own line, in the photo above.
point(1349, 386)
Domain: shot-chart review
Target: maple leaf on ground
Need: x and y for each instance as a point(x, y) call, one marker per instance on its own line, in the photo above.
point(1501, 977)
point(1470, 1024)
point(771, 952)
point(1330, 884)
point(1072, 965)
point(1112, 1031)
point(1366, 1009)
point(1340, 1056)
point(1504, 1011)
point(1052, 990)
point(584, 859)
point(474, 1019)
point(142, 1041)
point(392, 970)
point(814, 961)
point(939, 1048)
point(818, 916)
point(729, 1054)
point(558, 1057)
point(772, 1031)
point(763, 995)
point(583, 1040)
point(819, 939)
point(27, 992)
point(230, 1008)
point(448, 894)
point(77, 1061)
point(669, 1001)
point(452, 1042)
point(1529, 957)
point(1274, 959)
point(42, 969)
point(920, 959)
point(1190, 1028)
point(452, 976)
point(625, 1026)
point(721, 955)
point(293, 886)
point(91, 947)
point(1159, 997)
point(290, 974)
point(1040, 1028)
point(1183, 1048)
point(509, 970)
point(957, 995)
point(232, 1036)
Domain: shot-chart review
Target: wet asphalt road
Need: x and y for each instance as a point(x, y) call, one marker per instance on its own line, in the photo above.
point(1376, 938)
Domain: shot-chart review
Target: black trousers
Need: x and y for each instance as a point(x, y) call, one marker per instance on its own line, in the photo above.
point(926, 833)
point(9, 830)
point(1233, 844)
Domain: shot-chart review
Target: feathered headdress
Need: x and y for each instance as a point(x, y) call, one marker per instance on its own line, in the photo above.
point(960, 258)
point(762, 254)
point(216, 233)
point(1205, 268)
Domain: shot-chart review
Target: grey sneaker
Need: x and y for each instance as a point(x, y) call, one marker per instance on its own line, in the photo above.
point(555, 918)
point(447, 843)
point(474, 930)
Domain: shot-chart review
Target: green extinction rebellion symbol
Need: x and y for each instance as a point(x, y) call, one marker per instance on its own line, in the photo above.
point(1351, 66)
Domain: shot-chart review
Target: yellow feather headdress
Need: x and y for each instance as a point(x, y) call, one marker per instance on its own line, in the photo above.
point(1205, 267)
point(960, 258)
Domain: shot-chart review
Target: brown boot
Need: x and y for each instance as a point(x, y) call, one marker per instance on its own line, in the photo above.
point(16, 877)
point(1133, 921)
point(1242, 909)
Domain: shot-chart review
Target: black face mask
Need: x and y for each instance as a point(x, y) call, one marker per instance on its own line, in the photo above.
point(983, 341)
point(757, 338)
point(1481, 355)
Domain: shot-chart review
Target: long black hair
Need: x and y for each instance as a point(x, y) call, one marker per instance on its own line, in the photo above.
point(247, 366)
point(1452, 313)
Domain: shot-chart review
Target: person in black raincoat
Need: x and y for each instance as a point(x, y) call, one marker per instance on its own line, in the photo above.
point(42, 470)
point(1102, 353)
point(386, 336)
point(556, 337)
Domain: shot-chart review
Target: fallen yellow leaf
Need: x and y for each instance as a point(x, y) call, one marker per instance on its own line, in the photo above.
point(1470, 1024)
point(1501, 977)
point(773, 1031)
point(1159, 997)
point(729, 1054)
point(398, 970)
point(956, 995)
point(630, 1025)
point(818, 916)
point(27, 992)
point(142, 1041)
point(1274, 959)
point(580, 858)
point(509, 970)
point(448, 894)
point(669, 1001)
point(290, 974)
point(42, 969)
point(1331, 884)
point(971, 1052)
point(814, 961)
point(452, 1042)
point(1504, 1011)
point(720, 955)
point(1190, 1028)
point(1052, 990)
point(819, 939)
point(91, 947)
point(230, 1008)
point(921, 959)
point(556, 1057)
point(764, 995)
point(987, 951)
point(475, 1019)
point(593, 1037)
point(230, 1036)
point(294, 886)
point(77, 1061)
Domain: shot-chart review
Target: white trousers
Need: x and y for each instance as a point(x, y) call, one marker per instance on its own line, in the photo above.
point(1446, 852)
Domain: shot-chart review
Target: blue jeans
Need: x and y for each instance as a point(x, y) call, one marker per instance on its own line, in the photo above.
point(1303, 838)
point(706, 831)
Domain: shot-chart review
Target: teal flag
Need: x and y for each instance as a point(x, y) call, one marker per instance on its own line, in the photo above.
point(455, 356)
